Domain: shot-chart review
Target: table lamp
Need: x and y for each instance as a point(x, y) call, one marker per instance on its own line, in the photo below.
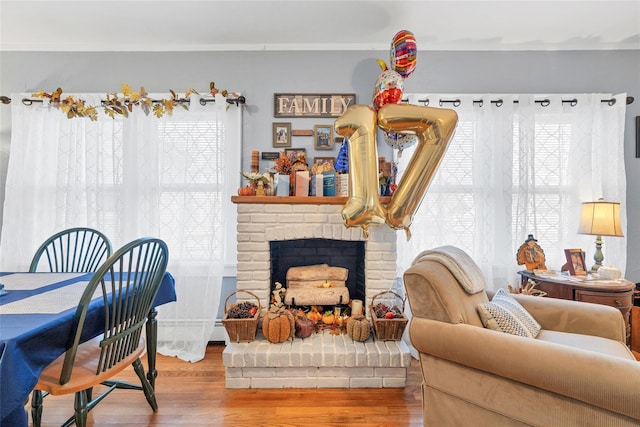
point(600, 219)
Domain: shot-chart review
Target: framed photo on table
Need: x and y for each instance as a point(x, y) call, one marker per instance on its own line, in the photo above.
point(575, 262)
point(282, 135)
point(323, 137)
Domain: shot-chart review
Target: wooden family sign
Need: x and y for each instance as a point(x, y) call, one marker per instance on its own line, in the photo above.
point(311, 105)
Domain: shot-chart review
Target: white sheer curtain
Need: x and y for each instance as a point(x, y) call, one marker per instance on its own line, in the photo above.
point(519, 168)
point(129, 177)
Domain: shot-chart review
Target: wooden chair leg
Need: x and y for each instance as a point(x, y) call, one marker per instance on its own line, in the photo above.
point(152, 345)
point(149, 392)
point(36, 408)
point(80, 406)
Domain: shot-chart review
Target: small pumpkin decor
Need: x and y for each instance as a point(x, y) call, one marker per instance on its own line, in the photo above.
point(328, 318)
point(246, 191)
point(278, 324)
point(315, 314)
point(359, 328)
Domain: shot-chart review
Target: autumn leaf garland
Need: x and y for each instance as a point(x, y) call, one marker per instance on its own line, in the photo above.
point(121, 103)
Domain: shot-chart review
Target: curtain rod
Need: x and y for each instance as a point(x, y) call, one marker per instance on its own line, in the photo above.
point(543, 102)
point(203, 101)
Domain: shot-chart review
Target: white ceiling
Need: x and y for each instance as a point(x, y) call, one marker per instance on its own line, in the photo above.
point(157, 25)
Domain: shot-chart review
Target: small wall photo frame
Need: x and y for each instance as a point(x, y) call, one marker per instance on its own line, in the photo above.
point(575, 262)
point(323, 137)
point(293, 153)
point(320, 160)
point(281, 135)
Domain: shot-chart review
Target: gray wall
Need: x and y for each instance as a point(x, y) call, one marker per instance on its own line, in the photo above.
point(261, 74)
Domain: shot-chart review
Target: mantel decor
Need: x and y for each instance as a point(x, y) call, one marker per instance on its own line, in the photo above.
point(311, 105)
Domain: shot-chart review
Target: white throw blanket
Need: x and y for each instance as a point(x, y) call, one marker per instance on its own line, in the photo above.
point(461, 266)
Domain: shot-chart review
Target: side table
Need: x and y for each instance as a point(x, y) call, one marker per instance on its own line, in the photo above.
point(615, 293)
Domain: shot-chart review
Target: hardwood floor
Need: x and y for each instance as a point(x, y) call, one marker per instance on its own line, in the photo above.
point(193, 394)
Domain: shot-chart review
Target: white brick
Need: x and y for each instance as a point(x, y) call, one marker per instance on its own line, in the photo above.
point(373, 358)
point(267, 382)
point(365, 382)
point(264, 218)
point(250, 228)
point(274, 234)
point(316, 218)
point(244, 218)
point(237, 382)
point(260, 372)
point(390, 372)
point(279, 208)
point(298, 382)
point(258, 237)
point(305, 208)
point(333, 382)
point(345, 372)
point(250, 208)
point(293, 218)
point(296, 372)
point(394, 382)
point(233, 372)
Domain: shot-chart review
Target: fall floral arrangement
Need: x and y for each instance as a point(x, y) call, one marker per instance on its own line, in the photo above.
point(282, 165)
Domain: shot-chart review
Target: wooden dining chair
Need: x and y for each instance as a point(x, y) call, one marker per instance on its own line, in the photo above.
point(75, 250)
point(126, 285)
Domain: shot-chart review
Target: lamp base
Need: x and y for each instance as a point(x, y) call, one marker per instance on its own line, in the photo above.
point(598, 256)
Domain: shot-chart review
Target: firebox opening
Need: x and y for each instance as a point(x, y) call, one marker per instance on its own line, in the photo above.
point(301, 252)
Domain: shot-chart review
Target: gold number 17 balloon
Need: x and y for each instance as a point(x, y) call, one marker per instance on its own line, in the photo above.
point(433, 127)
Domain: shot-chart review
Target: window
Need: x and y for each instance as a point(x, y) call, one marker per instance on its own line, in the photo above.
point(512, 170)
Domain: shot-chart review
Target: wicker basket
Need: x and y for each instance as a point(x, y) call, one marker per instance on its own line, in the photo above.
point(388, 329)
point(241, 329)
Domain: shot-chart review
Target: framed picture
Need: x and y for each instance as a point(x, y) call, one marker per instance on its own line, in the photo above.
point(321, 160)
point(323, 137)
point(293, 153)
point(575, 262)
point(282, 135)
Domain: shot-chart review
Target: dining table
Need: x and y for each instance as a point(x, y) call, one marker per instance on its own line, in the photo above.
point(36, 314)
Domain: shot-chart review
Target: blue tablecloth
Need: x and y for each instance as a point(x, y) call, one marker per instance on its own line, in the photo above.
point(30, 342)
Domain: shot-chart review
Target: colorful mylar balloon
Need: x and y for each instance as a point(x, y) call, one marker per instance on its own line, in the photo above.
point(389, 87)
point(358, 125)
point(399, 141)
point(404, 53)
point(434, 128)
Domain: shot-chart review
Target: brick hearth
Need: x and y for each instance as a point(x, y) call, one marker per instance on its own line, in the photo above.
point(323, 360)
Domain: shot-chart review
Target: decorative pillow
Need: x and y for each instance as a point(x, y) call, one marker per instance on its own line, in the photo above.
point(503, 313)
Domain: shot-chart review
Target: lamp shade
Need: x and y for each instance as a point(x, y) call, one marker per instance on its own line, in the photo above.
point(600, 219)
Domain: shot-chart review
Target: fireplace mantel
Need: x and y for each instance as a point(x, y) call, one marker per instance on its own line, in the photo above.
point(295, 200)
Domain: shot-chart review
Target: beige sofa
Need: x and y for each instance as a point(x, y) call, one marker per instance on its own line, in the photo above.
point(576, 372)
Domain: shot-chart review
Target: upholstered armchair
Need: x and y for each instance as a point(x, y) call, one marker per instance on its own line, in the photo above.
point(575, 371)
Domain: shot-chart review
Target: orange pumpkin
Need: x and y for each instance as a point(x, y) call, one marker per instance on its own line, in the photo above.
point(314, 315)
point(246, 191)
point(278, 326)
point(328, 318)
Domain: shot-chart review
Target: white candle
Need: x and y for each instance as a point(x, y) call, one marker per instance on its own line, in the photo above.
point(356, 307)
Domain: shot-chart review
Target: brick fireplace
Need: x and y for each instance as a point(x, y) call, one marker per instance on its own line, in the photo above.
point(322, 360)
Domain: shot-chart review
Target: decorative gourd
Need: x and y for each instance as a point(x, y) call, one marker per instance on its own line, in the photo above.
point(328, 318)
point(246, 191)
point(359, 328)
point(314, 315)
point(278, 326)
point(304, 327)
